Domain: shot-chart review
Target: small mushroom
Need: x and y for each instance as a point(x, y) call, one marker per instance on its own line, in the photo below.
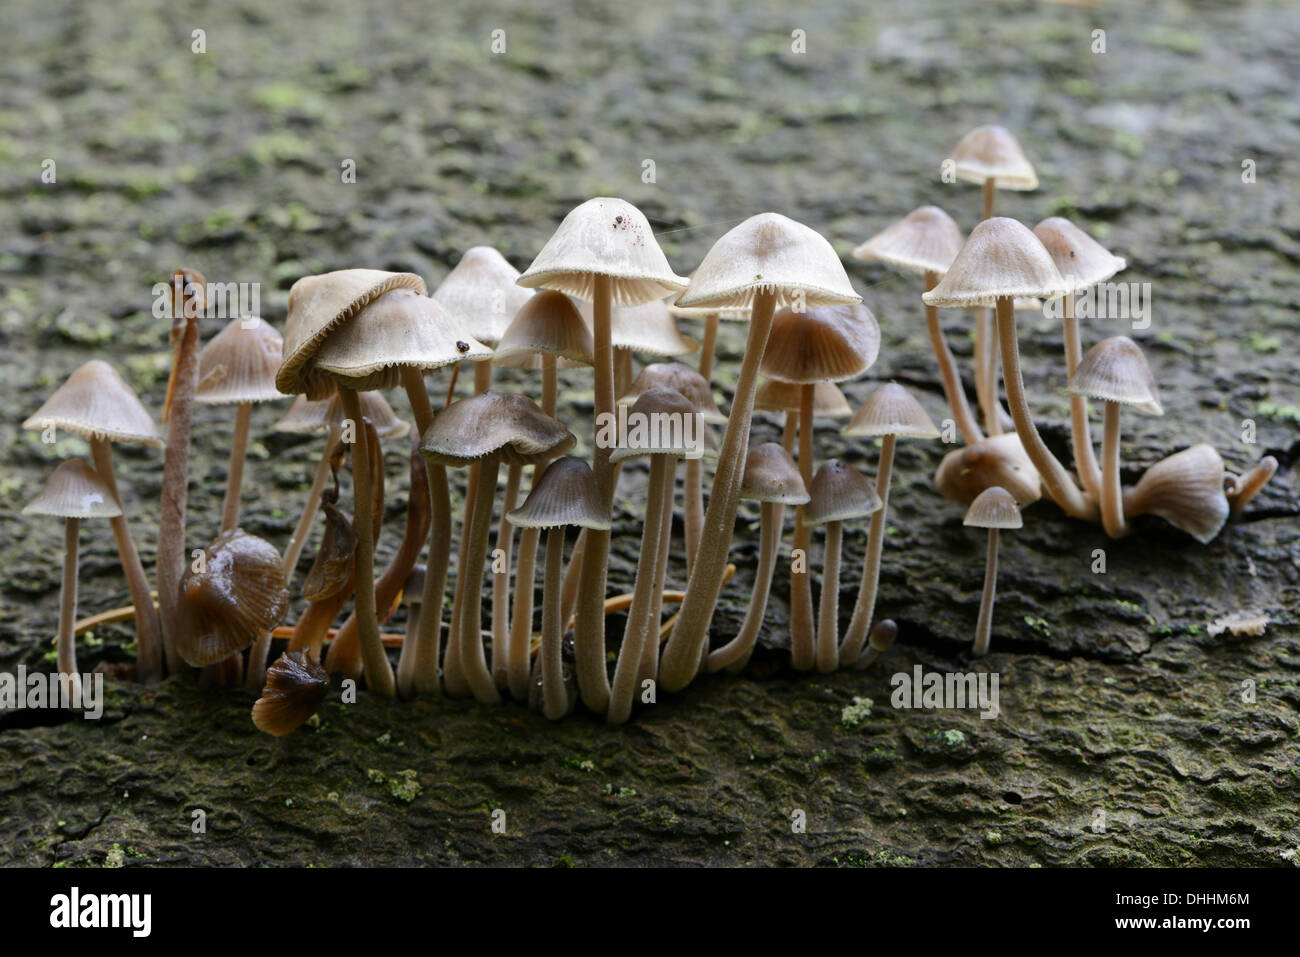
point(996, 460)
point(1242, 488)
point(994, 509)
point(295, 687)
point(787, 397)
point(1186, 489)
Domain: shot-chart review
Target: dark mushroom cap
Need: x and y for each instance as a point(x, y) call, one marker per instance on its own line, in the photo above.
point(238, 596)
point(682, 379)
point(96, 402)
point(821, 344)
point(1114, 370)
point(668, 415)
point(296, 685)
point(564, 494)
point(490, 424)
point(994, 508)
point(840, 494)
point(771, 475)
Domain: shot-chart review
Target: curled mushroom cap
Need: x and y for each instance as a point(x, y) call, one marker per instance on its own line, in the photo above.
point(1186, 490)
point(494, 423)
point(891, 410)
point(319, 304)
point(925, 240)
point(565, 494)
point(1002, 257)
point(994, 508)
point(999, 460)
point(1114, 370)
point(307, 416)
point(608, 237)
point(240, 363)
point(840, 494)
point(648, 328)
point(97, 403)
point(770, 252)
point(296, 685)
point(482, 293)
point(1081, 259)
point(547, 324)
point(334, 568)
point(229, 599)
point(991, 152)
point(821, 344)
point(828, 400)
point(672, 426)
point(682, 379)
point(74, 490)
point(771, 475)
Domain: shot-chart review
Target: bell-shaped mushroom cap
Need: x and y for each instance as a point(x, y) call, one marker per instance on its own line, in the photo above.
point(1186, 490)
point(307, 416)
point(925, 240)
point(483, 293)
point(547, 324)
point(662, 421)
point(319, 304)
point(96, 402)
point(994, 508)
point(494, 423)
point(821, 344)
point(891, 410)
point(1002, 257)
point(239, 595)
point(74, 490)
point(296, 685)
point(771, 475)
point(240, 363)
point(828, 400)
point(770, 252)
point(991, 152)
point(682, 379)
point(648, 329)
point(1081, 259)
point(565, 494)
point(604, 237)
point(1114, 370)
point(840, 494)
point(401, 328)
point(999, 460)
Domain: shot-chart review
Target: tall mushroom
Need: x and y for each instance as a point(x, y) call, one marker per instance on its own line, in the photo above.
point(96, 403)
point(1186, 489)
point(994, 509)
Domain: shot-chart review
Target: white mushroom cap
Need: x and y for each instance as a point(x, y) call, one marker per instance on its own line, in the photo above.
point(1114, 370)
point(992, 152)
point(891, 410)
point(994, 508)
point(1081, 259)
point(97, 403)
point(240, 363)
point(925, 240)
point(1186, 490)
point(482, 292)
point(74, 490)
point(1002, 257)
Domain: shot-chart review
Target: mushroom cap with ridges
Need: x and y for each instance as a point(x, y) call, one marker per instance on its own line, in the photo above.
point(96, 402)
point(999, 460)
point(1115, 370)
point(683, 379)
point(1002, 257)
point(992, 152)
point(239, 364)
point(239, 595)
point(891, 410)
point(74, 490)
point(648, 329)
point(1080, 259)
point(828, 399)
point(483, 293)
point(1186, 490)
point(491, 423)
point(772, 475)
point(925, 240)
point(318, 305)
point(564, 494)
point(610, 237)
point(296, 684)
point(307, 416)
point(840, 494)
point(821, 344)
point(660, 401)
point(772, 253)
point(547, 324)
point(994, 508)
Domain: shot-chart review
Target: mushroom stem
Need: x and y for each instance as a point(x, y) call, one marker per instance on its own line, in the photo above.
point(829, 608)
point(572, 578)
point(650, 654)
point(989, 371)
point(1058, 482)
point(734, 655)
point(521, 614)
point(235, 471)
point(255, 673)
point(989, 192)
point(148, 633)
point(1085, 459)
point(501, 655)
point(984, 628)
point(1112, 495)
point(67, 646)
point(378, 671)
point(882, 636)
point(966, 423)
point(708, 346)
point(789, 430)
point(681, 657)
point(303, 531)
point(555, 698)
point(622, 370)
point(1244, 487)
point(478, 527)
point(803, 651)
point(693, 508)
point(865, 607)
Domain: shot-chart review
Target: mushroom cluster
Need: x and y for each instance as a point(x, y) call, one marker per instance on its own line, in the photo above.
point(598, 295)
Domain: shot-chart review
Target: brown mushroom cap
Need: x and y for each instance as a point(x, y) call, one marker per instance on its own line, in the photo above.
point(891, 410)
point(840, 494)
point(547, 324)
point(661, 401)
point(821, 344)
point(991, 152)
point(494, 423)
point(96, 402)
point(296, 685)
point(1002, 257)
point(648, 329)
point(608, 237)
point(828, 399)
point(683, 379)
point(1081, 259)
point(998, 460)
point(74, 490)
point(1114, 370)
point(238, 596)
point(925, 240)
point(771, 475)
point(307, 416)
point(994, 508)
point(565, 494)
point(1186, 490)
point(482, 293)
point(318, 305)
point(240, 363)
